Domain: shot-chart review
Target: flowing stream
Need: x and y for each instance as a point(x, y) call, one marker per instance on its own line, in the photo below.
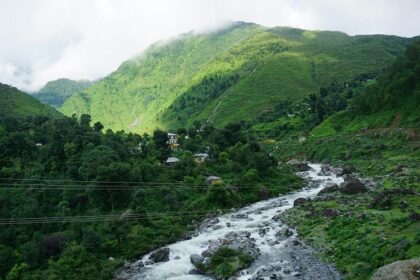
point(279, 258)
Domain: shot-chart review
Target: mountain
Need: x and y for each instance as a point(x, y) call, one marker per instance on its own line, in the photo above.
point(14, 102)
point(54, 93)
point(228, 75)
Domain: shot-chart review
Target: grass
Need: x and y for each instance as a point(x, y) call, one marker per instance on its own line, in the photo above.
point(16, 103)
point(273, 64)
point(225, 262)
point(364, 235)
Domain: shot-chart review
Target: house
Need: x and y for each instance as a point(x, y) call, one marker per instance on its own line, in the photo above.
point(214, 180)
point(173, 141)
point(171, 160)
point(201, 157)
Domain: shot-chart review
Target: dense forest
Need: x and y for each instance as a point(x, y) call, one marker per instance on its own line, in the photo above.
point(111, 194)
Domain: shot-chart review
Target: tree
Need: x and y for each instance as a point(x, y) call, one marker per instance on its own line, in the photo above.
point(98, 127)
point(85, 120)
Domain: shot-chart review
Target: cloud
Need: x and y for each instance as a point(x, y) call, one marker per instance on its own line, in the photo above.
point(43, 40)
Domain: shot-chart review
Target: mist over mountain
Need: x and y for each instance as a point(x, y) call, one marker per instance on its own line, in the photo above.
point(54, 93)
point(228, 75)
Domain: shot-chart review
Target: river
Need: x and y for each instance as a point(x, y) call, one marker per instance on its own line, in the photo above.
point(281, 256)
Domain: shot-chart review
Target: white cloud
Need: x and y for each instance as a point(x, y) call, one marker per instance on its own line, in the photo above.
point(44, 40)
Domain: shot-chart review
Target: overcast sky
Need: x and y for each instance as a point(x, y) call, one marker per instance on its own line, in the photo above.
point(43, 40)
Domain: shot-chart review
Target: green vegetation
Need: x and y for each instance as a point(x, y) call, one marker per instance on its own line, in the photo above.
point(225, 262)
point(240, 92)
point(228, 75)
point(17, 103)
point(379, 135)
point(70, 169)
point(54, 93)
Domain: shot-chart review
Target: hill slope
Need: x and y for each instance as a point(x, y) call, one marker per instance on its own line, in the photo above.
point(378, 137)
point(14, 102)
point(54, 93)
point(228, 75)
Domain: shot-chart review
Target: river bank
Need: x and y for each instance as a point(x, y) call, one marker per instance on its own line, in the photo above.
point(256, 229)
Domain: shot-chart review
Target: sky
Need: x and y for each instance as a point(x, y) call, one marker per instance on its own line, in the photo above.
point(44, 40)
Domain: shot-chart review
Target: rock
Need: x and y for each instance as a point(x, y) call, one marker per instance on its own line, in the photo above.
point(349, 169)
point(227, 224)
point(196, 259)
point(111, 259)
point(234, 240)
point(353, 186)
point(325, 170)
point(329, 188)
point(177, 258)
point(299, 201)
point(296, 242)
point(303, 167)
point(194, 271)
point(401, 270)
point(160, 255)
point(330, 212)
point(240, 216)
point(263, 231)
point(288, 232)
point(217, 227)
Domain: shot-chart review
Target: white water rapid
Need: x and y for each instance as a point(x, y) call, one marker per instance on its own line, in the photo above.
point(276, 254)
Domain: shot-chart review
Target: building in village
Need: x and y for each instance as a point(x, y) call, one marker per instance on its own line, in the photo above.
point(173, 141)
point(214, 180)
point(201, 157)
point(171, 161)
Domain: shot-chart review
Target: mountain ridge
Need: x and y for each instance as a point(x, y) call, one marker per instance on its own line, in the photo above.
point(55, 92)
point(14, 102)
point(242, 62)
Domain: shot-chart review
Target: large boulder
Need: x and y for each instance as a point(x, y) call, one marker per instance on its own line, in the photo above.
point(303, 167)
point(299, 201)
point(399, 270)
point(160, 255)
point(330, 188)
point(353, 186)
point(241, 241)
point(196, 259)
point(348, 169)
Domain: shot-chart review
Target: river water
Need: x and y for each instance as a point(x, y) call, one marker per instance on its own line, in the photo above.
point(278, 258)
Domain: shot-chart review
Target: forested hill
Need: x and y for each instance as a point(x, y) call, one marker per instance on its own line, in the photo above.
point(377, 135)
point(54, 93)
point(14, 102)
point(228, 75)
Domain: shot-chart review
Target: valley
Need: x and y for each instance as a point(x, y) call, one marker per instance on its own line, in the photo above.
point(190, 161)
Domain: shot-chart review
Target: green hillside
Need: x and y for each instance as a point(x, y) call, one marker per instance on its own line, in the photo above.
point(228, 75)
point(14, 102)
point(379, 136)
point(54, 93)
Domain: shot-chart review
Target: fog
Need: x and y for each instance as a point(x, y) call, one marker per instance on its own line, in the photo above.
point(43, 40)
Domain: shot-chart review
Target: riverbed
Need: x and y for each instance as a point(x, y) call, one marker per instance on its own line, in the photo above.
point(281, 255)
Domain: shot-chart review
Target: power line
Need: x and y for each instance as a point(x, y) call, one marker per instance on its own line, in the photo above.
point(97, 218)
point(99, 182)
point(160, 186)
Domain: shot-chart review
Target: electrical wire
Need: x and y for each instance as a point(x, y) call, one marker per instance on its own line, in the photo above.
point(98, 218)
